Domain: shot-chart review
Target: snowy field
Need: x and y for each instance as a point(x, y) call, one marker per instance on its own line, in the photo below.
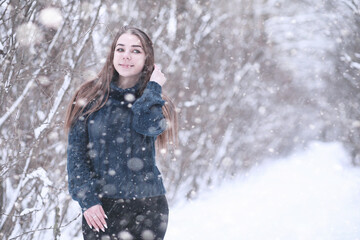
point(310, 195)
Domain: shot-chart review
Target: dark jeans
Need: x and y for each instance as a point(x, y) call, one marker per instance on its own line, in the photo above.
point(132, 219)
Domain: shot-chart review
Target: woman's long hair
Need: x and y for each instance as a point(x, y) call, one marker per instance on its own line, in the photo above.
point(93, 94)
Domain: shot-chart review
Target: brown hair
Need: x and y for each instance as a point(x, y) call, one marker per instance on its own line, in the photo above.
point(96, 91)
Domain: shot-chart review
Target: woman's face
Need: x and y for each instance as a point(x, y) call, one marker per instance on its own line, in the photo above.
point(129, 57)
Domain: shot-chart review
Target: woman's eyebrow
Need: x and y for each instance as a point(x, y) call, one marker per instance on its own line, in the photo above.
point(120, 44)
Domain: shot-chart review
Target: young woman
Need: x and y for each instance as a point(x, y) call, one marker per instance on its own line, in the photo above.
point(114, 121)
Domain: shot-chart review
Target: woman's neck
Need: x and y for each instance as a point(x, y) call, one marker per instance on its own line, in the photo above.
point(126, 82)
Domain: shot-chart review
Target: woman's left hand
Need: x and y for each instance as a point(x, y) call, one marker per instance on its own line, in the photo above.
point(158, 76)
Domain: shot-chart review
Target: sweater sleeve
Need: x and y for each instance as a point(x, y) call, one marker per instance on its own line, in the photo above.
point(148, 117)
point(80, 171)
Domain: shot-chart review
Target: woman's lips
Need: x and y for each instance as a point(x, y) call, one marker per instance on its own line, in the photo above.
point(126, 65)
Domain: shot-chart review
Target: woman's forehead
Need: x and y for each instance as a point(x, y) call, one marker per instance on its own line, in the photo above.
point(129, 39)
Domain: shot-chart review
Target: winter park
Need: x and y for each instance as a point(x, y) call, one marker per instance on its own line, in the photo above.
point(266, 95)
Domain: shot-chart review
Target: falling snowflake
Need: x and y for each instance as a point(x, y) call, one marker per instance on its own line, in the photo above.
point(129, 97)
point(135, 164)
point(51, 17)
point(81, 102)
point(44, 81)
point(148, 235)
point(125, 235)
point(29, 34)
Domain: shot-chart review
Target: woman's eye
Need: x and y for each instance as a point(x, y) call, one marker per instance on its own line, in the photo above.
point(120, 49)
point(136, 51)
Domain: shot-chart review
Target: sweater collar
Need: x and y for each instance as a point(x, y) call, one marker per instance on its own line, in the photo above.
point(120, 93)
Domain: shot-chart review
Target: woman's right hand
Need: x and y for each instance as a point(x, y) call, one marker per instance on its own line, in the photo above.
point(95, 217)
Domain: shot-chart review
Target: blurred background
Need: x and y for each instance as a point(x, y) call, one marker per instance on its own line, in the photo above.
point(252, 80)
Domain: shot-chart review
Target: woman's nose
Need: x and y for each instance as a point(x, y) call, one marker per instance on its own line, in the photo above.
point(126, 55)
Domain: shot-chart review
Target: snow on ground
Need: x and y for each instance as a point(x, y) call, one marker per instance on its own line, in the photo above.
point(314, 194)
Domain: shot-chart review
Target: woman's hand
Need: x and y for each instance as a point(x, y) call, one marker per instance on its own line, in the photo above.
point(95, 217)
point(158, 76)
